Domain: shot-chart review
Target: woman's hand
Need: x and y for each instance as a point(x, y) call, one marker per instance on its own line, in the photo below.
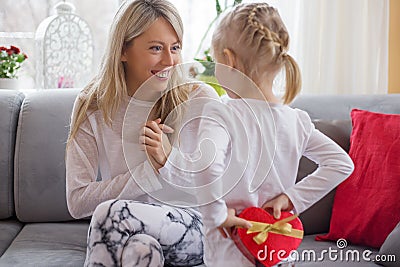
point(232, 221)
point(278, 204)
point(155, 142)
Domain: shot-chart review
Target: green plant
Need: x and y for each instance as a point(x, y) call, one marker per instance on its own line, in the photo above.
point(206, 60)
point(219, 10)
point(10, 61)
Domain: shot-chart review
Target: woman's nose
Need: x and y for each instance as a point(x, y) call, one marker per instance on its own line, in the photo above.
point(167, 58)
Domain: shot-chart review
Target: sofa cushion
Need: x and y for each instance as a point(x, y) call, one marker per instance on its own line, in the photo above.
point(390, 250)
point(9, 229)
point(10, 102)
point(316, 219)
point(366, 206)
point(40, 152)
point(48, 244)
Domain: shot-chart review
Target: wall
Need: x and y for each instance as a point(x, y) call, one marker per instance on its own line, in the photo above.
point(394, 47)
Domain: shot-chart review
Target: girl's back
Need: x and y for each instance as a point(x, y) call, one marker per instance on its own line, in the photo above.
point(257, 151)
point(276, 136)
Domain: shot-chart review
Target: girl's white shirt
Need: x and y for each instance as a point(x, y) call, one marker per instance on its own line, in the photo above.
point(114, 152)
point(250, 151)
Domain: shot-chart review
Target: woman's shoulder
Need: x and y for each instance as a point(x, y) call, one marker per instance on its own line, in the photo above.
point(81, 100)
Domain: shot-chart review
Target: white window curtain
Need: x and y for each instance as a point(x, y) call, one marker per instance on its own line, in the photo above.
point(340, 45)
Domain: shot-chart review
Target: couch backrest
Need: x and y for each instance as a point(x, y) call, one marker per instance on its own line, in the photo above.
point(338, 107)
point(317, 218)
point(43, 128)
point(39, 179)
point(10, 102)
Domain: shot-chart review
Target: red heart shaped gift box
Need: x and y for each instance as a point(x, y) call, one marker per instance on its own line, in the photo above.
point(269, 240)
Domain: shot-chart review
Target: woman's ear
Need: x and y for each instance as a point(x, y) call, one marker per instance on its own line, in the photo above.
point(230, 57)
point(123, 54)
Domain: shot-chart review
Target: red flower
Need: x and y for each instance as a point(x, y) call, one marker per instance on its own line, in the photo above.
point(15, 49)
point(11, 60)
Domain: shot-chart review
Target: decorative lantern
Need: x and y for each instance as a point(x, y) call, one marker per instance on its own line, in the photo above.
point(64, 47)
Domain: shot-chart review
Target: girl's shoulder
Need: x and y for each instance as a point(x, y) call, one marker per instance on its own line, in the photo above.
point(304, 119)
point(302, 115)
point(293, 117)
point(296, 112)
point(200, 89)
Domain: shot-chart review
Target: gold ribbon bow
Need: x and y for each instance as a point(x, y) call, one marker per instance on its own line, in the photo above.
point(281, 227)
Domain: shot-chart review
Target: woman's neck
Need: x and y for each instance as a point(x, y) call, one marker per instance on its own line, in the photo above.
point(143, 94)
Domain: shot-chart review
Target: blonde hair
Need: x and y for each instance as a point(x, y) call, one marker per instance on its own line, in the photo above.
point(257, 35)
point(108, 89)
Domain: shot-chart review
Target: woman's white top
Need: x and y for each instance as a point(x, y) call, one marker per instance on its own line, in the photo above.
point(104, 163)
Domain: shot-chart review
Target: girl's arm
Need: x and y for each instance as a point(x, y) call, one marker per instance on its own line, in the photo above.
point(217, 178)
point(334, 166)
point(189, 165)
point(84, 193)
point(231, 222)
point(185, 147)
point(214, 150)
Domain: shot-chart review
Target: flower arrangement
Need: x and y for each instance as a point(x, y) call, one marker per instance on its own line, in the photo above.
point(10, 61)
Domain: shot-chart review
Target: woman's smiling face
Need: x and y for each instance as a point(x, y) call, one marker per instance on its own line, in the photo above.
point(151, 54)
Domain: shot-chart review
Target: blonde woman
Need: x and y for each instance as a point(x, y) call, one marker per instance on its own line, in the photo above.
point(128, 226)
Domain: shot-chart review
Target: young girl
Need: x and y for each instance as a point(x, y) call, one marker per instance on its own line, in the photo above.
point(108, 174)
point(256, 140)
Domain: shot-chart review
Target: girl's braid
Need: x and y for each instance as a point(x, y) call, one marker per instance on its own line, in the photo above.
point(265, 32)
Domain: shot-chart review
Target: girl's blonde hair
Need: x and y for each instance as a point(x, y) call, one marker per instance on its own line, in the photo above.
point(257, 35)
point(108, 89)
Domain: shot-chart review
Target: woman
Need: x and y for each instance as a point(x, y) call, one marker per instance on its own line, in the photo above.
point(129, 226)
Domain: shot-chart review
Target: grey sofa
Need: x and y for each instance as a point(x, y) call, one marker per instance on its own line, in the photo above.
point(35, 226)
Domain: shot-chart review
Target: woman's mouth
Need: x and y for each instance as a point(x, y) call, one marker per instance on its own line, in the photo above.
point(161, 74)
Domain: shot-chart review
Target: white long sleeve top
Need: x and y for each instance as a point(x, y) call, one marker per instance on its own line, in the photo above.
point(125, 172)
point(251, 152)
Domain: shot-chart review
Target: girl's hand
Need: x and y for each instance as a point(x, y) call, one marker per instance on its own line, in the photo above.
point(232, 221)
point(155, 142)
point(278, 204)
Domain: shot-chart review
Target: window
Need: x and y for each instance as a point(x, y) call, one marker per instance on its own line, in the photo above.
point(341, 46)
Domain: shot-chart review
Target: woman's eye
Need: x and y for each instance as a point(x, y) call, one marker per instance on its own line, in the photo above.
point(176, 48)
point(156, 48)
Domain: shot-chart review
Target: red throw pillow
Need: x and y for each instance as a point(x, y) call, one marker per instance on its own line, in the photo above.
point(366, 207)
